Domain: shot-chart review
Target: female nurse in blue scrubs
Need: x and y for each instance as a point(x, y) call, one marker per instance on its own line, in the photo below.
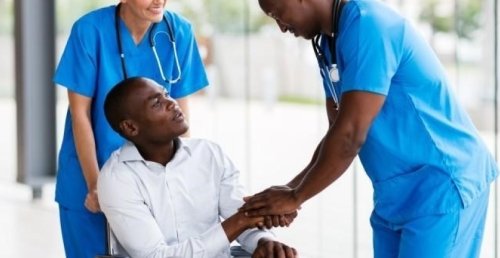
point(388, 101)
point(133, 38)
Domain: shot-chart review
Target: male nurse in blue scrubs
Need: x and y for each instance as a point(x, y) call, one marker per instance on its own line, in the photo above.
point(388, 101)
point(106, 46)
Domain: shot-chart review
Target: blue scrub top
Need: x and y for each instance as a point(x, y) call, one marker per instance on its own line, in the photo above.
point(91, 66)
point(422, 153)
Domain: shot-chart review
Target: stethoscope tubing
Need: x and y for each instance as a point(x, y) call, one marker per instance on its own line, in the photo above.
point(330, 73)
point(152, 43)
point(324, 69)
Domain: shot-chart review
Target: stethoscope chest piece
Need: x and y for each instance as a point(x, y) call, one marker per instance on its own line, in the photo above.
point(334, 73)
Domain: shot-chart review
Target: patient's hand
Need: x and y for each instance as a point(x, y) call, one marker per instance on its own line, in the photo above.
point(238, 222)
point(269, 248)
point(270, 221)
point(279, 220)
point(251, 222)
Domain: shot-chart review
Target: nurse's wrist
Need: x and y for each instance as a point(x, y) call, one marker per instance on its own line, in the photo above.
point(92, 186)
point(298, 196)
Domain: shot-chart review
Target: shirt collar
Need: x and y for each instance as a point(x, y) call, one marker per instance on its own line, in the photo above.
point(130, 153)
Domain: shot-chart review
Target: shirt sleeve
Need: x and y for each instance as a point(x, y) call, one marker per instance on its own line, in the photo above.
point(135, 227)
point(77, 69)
point(193, 77)
point(369, 50)
point(231, 198)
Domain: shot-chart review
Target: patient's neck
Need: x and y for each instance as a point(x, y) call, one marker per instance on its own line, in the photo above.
point(159, 153)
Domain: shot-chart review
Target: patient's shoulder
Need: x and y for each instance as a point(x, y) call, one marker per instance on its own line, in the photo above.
point(201, 145)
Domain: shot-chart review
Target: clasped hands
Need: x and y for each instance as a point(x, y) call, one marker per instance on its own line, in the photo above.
point(273, 207)
point(277, 204)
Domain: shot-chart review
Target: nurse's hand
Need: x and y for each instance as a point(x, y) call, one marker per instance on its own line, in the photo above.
point(276, 200)
point(91, 201)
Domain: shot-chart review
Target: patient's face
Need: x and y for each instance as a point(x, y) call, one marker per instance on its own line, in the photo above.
point(157, 115)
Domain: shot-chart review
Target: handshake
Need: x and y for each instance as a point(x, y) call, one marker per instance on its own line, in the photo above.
point(260, 211)
point(267, 221)
point(276, 206)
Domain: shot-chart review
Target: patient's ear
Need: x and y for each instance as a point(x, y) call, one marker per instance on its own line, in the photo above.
point(129, 128)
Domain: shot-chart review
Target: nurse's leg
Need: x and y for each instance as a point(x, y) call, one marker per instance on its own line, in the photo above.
point(454, 235)
point(429, 236)
point(385, 238)
point(83, 232)
point(471, 229)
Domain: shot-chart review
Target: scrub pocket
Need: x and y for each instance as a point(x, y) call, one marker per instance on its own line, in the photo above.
point(424, 191)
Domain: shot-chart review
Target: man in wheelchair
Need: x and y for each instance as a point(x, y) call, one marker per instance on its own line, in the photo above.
point(166, 196)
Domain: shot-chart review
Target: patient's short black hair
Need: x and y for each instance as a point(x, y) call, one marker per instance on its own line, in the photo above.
point(115, 106)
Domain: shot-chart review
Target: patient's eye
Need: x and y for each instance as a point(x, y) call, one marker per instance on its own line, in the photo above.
point(156, 102)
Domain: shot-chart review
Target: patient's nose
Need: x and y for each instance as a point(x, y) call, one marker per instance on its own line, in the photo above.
point(170, 103)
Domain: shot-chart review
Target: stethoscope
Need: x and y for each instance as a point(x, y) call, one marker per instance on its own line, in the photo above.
point(152, 43)
point(330, 72)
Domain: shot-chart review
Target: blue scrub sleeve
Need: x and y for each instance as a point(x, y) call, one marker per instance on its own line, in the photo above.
point(370, 49)
point(193, 76)
point(77, 67)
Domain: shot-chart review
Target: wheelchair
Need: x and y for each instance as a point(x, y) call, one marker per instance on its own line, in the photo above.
point(236, 251)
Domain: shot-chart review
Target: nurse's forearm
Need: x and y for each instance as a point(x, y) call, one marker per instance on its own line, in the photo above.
point(342, 142)
point(84, 137)
point(334, 156)
point(85, 148)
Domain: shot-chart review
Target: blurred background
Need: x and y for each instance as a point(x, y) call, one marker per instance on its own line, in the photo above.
point(264, 106)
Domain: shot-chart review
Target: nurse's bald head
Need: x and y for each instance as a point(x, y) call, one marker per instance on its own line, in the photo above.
point(268, 5)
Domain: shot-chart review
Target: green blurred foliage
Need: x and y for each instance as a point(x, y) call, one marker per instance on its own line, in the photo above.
point(223, 16)
point(298, 99)
point(68, 11)
point(438, 23)
point(6, 16)
point(469, 18)
point(464, 20)
point(227, 16)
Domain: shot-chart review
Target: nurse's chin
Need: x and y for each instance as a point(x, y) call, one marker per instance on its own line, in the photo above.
point(156, 18)
point(308, 37)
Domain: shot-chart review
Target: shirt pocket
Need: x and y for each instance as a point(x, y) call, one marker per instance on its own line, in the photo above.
point(424, 191)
